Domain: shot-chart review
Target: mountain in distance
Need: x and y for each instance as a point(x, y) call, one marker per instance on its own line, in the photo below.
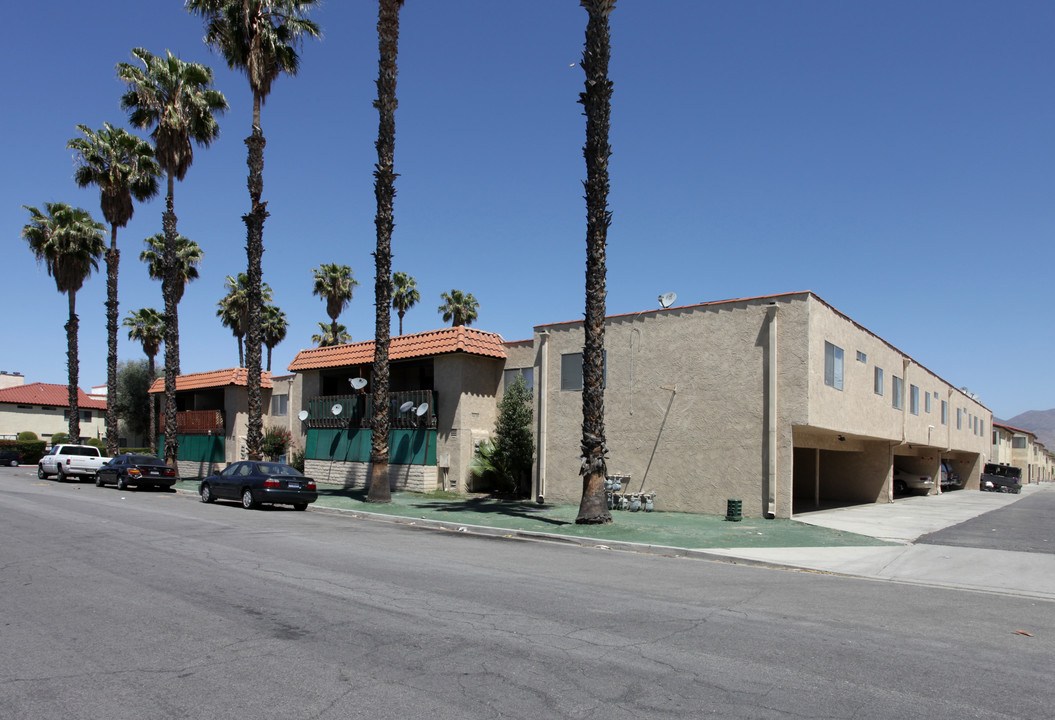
point(1040, 422)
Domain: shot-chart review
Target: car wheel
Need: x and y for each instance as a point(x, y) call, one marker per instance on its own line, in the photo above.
point(206, 494)
point(99, 481)
point(121, 484)
point(899, 487)
point(247, 499)
point(300, 506)
point(14, 463)
point(60, 475)
point(40, 472)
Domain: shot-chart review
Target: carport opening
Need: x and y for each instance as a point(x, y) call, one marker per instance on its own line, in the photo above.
point(824, 479)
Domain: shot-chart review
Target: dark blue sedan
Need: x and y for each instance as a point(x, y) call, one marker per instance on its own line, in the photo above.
point(257, 483)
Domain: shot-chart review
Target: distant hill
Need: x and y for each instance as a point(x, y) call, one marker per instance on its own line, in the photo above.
point(1041, 422)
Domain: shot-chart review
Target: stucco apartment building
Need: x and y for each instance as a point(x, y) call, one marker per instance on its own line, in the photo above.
point(1021, 448)
point(44, 408)
point(781, 402)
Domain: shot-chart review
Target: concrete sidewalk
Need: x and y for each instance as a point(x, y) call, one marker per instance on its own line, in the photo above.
point(1024, 574)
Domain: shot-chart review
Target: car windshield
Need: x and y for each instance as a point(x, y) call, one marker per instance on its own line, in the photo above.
point(144, 460)
point(273, 469)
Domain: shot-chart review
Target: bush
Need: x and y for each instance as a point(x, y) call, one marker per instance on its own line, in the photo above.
point(275, 442)
point(28, 435)
point(30, 451)
point(297, 460)
point(59, 438)
point(97, 443)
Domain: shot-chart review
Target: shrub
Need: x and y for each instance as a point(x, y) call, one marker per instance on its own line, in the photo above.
point(28, 436)
point(97, 443)
point(275, 442)
point(60, 438)
point(297, 460)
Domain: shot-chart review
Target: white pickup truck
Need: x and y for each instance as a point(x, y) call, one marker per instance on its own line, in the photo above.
point(76, 461)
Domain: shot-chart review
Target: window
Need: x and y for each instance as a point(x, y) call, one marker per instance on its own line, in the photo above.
point(926, 402)
point(944, 413)
point(1019, 443)
point(913, 399)
point(571, 371)
point(86, 415)
point(279, 404)
point(879, 381)
point(959, 418)
point(994, 437)
point(861, 357)
point(833, 366)
point(508, 376)
point(897, 393)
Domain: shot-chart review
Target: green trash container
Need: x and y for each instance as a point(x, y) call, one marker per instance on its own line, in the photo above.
point(734, 510)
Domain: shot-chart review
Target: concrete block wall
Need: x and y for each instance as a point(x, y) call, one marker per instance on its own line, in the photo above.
point(410, 478)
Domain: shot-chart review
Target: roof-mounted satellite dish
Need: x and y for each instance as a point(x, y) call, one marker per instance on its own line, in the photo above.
point(358, 383)
point(336, 409)
point(421, 409)
point(406, 406)
point(667, 299)
point(303, 415)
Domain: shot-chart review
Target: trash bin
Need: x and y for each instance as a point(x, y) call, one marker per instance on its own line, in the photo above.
point(734, 510)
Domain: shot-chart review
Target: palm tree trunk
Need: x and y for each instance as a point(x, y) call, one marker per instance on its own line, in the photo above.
point(168, 290)
point(73, 366)
point(254, 223)
point(596, 100)
point(385, 193)
point(269, 358)
point(241, 352)
point(113, 259)
point(401, 314)
point(152, 438)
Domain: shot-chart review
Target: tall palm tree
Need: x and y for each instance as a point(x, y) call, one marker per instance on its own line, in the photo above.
point(260, 38)
point(334, 284)
point(596, 101)
point(274, 325)
point(385, 193)
point(122, 166)
point(69, 243)
point(331, 335)
point(405, 295)
point(233, 308)
point(147, 326)
point(188, 258)
point(459, 308)
point(178, 101)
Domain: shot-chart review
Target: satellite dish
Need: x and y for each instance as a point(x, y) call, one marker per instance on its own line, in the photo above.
point(421, 409)
point(336, 409)
point(406, 406)
point(358, 383)
point(303, 415)
point(667, 299)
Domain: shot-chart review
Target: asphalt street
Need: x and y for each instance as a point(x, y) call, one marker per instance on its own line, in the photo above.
point(152, 605)
point(1027, 525)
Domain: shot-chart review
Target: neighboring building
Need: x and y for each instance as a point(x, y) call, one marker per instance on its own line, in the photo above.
point(11, 379)
point(1000, 453)
point(212, 417)
point(443, 389)
point(44, 408)
point(781, 402)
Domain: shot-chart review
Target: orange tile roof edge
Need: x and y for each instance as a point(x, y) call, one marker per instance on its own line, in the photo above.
point(49, 394)
point(212, 379)
point(404, 347)
point(1015, 429)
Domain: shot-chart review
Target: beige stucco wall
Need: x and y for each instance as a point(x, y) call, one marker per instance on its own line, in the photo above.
point(47, 421)
point(709, 365)
point(466, 389)
point(1001, 449)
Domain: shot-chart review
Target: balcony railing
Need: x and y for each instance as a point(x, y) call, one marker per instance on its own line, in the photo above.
point(355, 411)
point(200, 422)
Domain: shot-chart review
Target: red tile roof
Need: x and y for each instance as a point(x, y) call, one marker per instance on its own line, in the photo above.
point(212, 379)
point(1012, 428)
point(426, 344)
point(50, 395)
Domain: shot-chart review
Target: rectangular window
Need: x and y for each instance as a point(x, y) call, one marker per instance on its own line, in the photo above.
point(913, 399)
point(861, 357)
point(944, 413)
point(959, 419)
point(571, 371)
point(897, 393)
point(926, 402)
point(86, 415)
point(1019, 443)
point(833, 366)
point(279, 404)
point(994, 437)
point(508, 376)
point(879, 381)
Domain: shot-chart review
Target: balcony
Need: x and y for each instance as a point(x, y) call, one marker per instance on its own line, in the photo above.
point(355, 411)
point(200, 422)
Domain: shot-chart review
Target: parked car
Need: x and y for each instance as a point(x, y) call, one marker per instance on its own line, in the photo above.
point(949, 479)
point(257, 483)
point(10, 456)
point(137, 471)
point(75, 461)
point(905, 481)
point(1001, 478)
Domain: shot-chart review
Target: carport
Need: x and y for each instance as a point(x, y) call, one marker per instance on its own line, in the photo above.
point(832, 469)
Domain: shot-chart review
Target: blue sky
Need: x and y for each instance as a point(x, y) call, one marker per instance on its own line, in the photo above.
point(895, 157)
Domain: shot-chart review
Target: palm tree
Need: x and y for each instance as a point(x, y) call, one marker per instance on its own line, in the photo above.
point(459, 308)
point(273, 329)
point(596, 101)
point(331, 335)
point(147, 326)
point(405, 295)
point(385, 193)
point(177, 100)
point(122, 166)
point(334, 284)
point(233, 308)
point(188, 258)
point(69, 243)
point(260, 38)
